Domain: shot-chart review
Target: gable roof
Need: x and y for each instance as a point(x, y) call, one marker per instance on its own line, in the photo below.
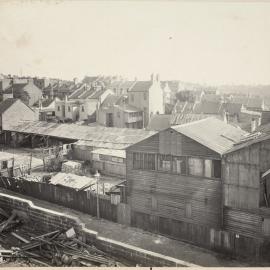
point(6, 104)
point(109, 101)
point(254, 102)
point(141, 86)
point(16, 87)
point(212, 133)
point(231, 108)
point(183, 118)
point(159, 122)
point(207, 107)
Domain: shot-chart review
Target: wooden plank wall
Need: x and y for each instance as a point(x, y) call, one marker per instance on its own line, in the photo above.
point(84, 201)
point(241, 189)
point(174, 143)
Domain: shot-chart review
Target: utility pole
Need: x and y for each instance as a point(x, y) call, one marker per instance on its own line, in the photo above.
point(97, 175)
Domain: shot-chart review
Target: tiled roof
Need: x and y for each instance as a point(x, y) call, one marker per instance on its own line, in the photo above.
point(141, 86)
point(4, 105)
point(212, 133)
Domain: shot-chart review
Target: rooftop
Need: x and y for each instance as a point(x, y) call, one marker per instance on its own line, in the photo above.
point(207, 107)
point(72, 181)
point(141, 86)
point(212, 133)
point(110, 152)
point(96, 135)
point(6, 104)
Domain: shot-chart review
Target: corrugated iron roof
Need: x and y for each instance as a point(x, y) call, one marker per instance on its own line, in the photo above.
point(212, 133)
point(72, 180)
point(110, 152)
point(95, 134)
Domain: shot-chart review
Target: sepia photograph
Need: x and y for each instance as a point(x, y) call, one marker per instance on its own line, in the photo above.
point(134, 133)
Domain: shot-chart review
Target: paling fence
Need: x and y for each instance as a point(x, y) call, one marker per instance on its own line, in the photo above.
point(84, 201)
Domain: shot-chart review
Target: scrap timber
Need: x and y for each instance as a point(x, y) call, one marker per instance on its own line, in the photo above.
point(55, 248)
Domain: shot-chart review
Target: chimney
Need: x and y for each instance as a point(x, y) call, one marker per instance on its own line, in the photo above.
point(152, 77)
point(225, 117)
point(157, 77)
point(254, 124)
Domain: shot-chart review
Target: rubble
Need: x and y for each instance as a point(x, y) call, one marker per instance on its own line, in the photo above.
point(19, 243)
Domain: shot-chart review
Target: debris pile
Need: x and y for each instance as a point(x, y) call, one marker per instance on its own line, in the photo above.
point(55, 248)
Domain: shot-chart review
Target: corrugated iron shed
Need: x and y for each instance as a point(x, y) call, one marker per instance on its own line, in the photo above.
point(97, 134)
point(212, 133)
point(72, 181)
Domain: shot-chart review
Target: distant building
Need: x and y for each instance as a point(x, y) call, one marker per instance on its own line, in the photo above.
point(148, 97)
point(115, 112)
point(28, 92)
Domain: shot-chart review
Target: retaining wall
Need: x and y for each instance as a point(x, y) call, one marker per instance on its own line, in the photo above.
point(50, 220)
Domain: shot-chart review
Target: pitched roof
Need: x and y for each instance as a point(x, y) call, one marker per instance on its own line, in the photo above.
point(4, 105)
point(110, 152)
point(231, 108)
point(97, 94)
point(141, 86)
point(254, 102)
point(128, 108)
point(96, 135)
point(109, 101)
point(16, 87)
point(159, 122)
point(183, 118)
point(207, 107)
point(212, 133)
point(72, 180)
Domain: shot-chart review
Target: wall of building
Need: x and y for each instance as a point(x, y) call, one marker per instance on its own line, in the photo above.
point(183, 206)
point(31, 94)
point(242, 193)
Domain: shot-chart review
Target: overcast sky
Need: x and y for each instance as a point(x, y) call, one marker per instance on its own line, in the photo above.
point(199, 42)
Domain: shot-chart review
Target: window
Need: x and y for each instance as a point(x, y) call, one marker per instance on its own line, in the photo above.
point(82, 108)
point(216, 168)
point(4, 164)
point(164, 163)
point(208, 168)
point(68, 108)
point(149, 162)
point(179, 165)
point(137, 160)
point(144, 96)
point(132, 97)
point(58, 108)
point(195, 166)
